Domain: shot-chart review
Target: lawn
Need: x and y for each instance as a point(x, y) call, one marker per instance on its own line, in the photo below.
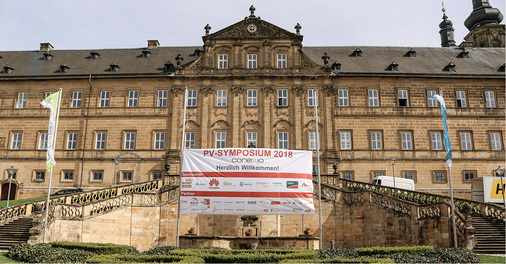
point(491, 259)
point(4, 259)
point(14, 202)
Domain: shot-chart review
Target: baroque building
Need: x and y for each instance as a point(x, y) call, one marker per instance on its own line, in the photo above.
point(253, 84)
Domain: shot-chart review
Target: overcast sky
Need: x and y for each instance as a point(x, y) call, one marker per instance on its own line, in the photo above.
point(104, 24)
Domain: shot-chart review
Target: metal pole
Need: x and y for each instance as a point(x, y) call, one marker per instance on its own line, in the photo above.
point(502, 187)
point(85, 133)
point(455, 244)
point(180, 182)
point(393, 170)
point(318, 172)
point(10, 180)
point(115, 169)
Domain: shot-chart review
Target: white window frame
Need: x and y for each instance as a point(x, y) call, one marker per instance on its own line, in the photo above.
point(222, 61)
point(192, 98)
point(156, 175)
point(282, 97)
point(251, 138)
point(159, 141)
point(406, 140)
point(489, 99)
point(65, 176)
point(436, 140)
point(221, 97)
point(373, 95)
point(17, 137)
point(403, 98)
point(431, 102)
point(345, 138)
point(72, 140)
point(376, 140)
point(312, 97)
point(129, 143)
point(466, 141)
point(133, 98)
point(43, 137)
point(76, 99)
point(252, 97)
point(281, 61)
point(22, 99)
point(105, 97)
point(495, 141)
point(343, 97)
point(439, 176)
point(190, 140)
point(220, 139)
point(127, 176)
point(162, 98)
point(347, 175)
point(97, 175)
point(461, 99)
point(283, 142)
point(252, 61)
point(313, 141)
point(100, 140)
point(39, 176)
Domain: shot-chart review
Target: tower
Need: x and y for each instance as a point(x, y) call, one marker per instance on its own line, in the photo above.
point(447, 31)
point(483, 23)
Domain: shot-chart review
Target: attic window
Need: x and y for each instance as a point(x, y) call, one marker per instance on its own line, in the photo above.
point(113, 67)
point(198, 52)
point(357, 53)
point(47, 56)
point(8, 69)
point(169, 66)
point(64, 68)
point(411, 53)
point(464, 54)
point(94, 55)
point(393, 67)
point(501, 68)
point(146, 53)
point(336, 66)
point(450, 67)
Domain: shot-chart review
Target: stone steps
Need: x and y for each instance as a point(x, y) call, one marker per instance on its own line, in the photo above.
point(490, 235)
point(15, 232)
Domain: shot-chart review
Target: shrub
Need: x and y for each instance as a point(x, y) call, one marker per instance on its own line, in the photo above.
point(391, 250)
point(340, 260)
point(338, 253)
point(116, 258)
point(159, 251)
point(44, 253)
point(98, 248)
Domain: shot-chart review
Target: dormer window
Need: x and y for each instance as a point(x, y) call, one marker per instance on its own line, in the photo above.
point(113, 67)
point(501, 68)
point(222, 61)
point(94, 55)
point(450, 67)
point(336, 66)
point(146, 53)
point(198, 52)
point(169, 66)
point(357, 53)
point(63, 68)
point(46, 56)
point(464, 54)
point(393, 67)
point(411, 53)
point(281, 61)
point(8, 69)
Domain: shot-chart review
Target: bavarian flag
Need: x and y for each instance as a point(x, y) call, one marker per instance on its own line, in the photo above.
point(446, 137)
point(52, 103)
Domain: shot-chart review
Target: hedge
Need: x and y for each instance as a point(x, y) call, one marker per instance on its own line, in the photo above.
point(116, 258)
point(369, 251)
point(44, 253)
point(340, 260)
point(98, 248)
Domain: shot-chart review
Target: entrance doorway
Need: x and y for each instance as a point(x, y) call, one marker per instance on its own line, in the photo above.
point(5, 191)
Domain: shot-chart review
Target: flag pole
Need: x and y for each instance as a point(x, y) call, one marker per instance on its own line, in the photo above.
point(181, 168)
point(51, 169)
point(455, 244)
point(318, 170)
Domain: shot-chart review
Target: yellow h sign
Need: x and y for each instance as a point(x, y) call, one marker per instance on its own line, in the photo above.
point(497, 189)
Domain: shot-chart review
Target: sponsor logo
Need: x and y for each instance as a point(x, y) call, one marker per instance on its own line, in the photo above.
point(266, 210)
point(229, 209)
point(200, 184)
point(275, 202)
point(307, 211)
point(242, 210)
point(247, 160)
point(227, 183)
point(216, 201)
point(292, 184)
point(262, 183)
point(277, 183)
point(252, 202)
point(186, 186)
point(286, 202)
point(297, 209)
point(241, 202)
point(214, 182)
point(245, 184)
point(194, 201)
point(207, 202)
point(305, 185)
point(275, 210)
point(228, 202)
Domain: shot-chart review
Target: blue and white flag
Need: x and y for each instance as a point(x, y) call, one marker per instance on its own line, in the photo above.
point(446, 137)
point(52, 103)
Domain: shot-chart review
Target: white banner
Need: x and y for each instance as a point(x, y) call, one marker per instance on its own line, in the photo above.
point(52, 103)
point(246, 181)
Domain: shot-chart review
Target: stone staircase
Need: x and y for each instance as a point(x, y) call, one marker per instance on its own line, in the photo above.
point(490, 235)
point(15, 232)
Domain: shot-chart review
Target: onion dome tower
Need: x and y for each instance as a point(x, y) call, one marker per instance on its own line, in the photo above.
point(483, 23)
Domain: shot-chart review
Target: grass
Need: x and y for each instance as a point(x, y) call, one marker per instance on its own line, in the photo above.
point(5, 259)
point(491, 259)
point(20, 201)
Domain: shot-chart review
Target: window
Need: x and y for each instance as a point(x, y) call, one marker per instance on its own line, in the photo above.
point(157, 175)
point(406, 141)
point(373, 97)
point(252, 61)
point(129, 140)
point(461, 98)
point(347, 175)
point(316, 169)
point(409, 175)
point(21, 100)
point(403, 98)
point(40, 176)
point(127, 176)
point(465, 140)
point(105, 97)
point(192, 98)
point(313, 141)
point(222, 61)
point(76, 99)
point(221, 98)
point(133, 98)
point(282, 97)
point(376, 140)
point(468, 176)
point(439, 176)
point(190, 140)
point(251, 139)
point(282, 140)
point(377, 174)
point(71, 141)
point(252, 97)
point(68, 175)
point(281, 61)
point(43, 137)
point(46, 94)
point(312, 97)
point(162, 98)
point(16, 140)
point(343, 97)
point(159, 140)
point(97, 175)
point(100, 140)
point(489, 99)
point(221, 138)
point(431, 102)
point(345, 137)
point(495, 141)
point(437, 143)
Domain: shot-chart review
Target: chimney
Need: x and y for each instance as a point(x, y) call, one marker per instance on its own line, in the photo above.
point(46, 47)
point(153, 44)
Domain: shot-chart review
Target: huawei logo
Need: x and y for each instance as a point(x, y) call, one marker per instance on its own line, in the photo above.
point(214, 182)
